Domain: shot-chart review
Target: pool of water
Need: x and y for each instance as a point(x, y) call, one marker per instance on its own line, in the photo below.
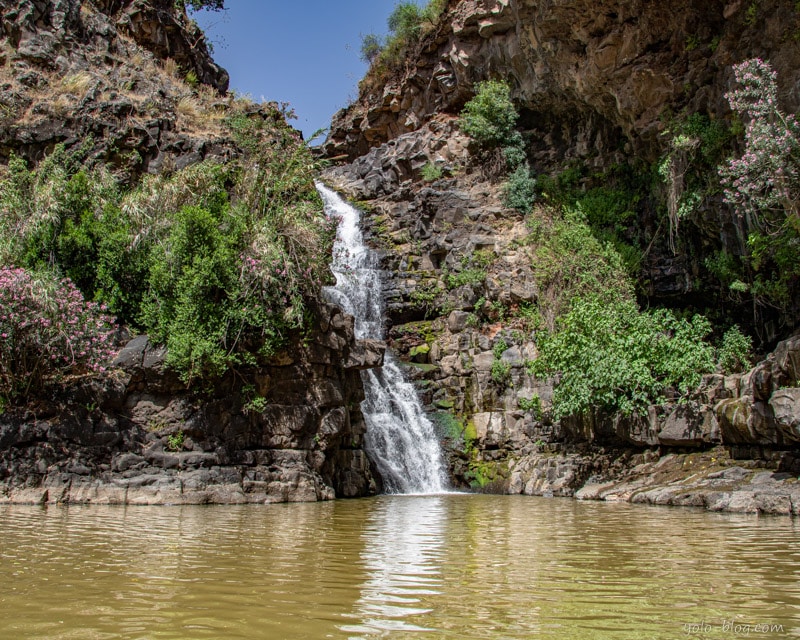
point(447, 566)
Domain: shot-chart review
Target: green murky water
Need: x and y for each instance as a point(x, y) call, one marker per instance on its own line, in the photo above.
point(453, 566)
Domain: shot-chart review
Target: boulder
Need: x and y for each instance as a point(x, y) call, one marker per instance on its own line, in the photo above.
point(365, 354)
point(785, 404)
point(689, 425)
point(744, 421)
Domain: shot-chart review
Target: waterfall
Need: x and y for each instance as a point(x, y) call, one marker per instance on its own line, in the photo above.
point(400, 439)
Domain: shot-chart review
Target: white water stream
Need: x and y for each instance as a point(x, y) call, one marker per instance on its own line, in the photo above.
point(400, 439)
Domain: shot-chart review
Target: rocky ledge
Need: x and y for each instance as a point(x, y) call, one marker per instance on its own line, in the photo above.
point(710, 479)
point(289, 431)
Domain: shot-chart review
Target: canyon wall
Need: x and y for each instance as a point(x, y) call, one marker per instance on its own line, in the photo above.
point(130, 86)
point(596, 85)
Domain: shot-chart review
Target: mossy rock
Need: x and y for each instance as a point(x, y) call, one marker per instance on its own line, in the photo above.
point(419, 353)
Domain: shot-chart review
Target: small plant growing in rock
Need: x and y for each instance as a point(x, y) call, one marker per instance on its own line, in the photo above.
point(533, 405)
point(500, 347)
point(426, 296)
point(258, 404)
point(175, 441)
point(468, 276)
point(501, 373)
point(254, 403)
point(431, 172)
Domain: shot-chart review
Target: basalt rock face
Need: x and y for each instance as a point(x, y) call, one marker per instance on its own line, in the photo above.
point(291, 430)
point(597, 85)
point(108, 76)
point(473, 366)
point(49, 32)
point(592, 79)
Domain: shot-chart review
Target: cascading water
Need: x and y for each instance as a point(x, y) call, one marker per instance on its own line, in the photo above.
point(400, 439)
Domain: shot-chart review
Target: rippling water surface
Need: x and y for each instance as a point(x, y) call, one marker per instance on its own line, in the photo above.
point(450, 566)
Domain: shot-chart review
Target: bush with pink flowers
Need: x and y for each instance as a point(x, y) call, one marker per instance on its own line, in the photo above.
point(763, 186)
point(47, 331)
point(765, 177)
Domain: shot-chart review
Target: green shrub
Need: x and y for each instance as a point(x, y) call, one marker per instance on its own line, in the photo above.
point(569, 261)
point(194, 282)
point(489, 118)
point(608, 203)
point(612, 356)
point(175, 441)
point(431, 172)
point(520, 191)
point(480, 473)
point(371, 48)
point(532, 405)
point(734, 354)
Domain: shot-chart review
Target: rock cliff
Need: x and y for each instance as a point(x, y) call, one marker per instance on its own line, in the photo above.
point(596, 85)
point(291, 431)
point(129, 85)
point(593, 79)
point(110, 76)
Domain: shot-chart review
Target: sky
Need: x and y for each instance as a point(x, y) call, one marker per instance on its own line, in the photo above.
point(304, 52)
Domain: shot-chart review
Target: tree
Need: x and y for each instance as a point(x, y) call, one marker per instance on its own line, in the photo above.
point(763, 185)
point(197, 5)
point(490, 116)
point(767, 175)
point(370, 47)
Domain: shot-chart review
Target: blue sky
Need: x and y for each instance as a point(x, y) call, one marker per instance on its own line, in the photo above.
point(305, 52)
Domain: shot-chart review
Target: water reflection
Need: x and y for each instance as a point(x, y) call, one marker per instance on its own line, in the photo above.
point(403, 555)
point(444, 566)
point(484, 567)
